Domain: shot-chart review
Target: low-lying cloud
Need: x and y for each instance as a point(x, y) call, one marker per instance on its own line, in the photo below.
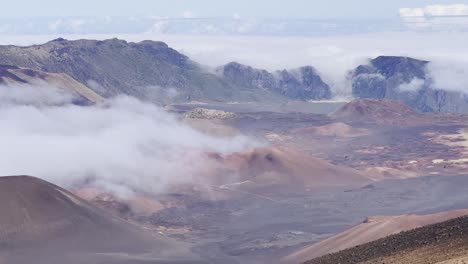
point(122, 144)
point(451, 75)
point(414, 85)
point(37, 95)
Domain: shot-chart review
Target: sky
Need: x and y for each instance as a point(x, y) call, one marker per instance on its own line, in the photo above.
point(346, 9)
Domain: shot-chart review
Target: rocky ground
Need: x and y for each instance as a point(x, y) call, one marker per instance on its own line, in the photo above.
point(385, 150)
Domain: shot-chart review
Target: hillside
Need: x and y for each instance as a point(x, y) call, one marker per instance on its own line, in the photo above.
point(18, 78)
point(381, 111)
point(148, 70)
point(371, 229)
point(43, 223)
point(445, 242)
point(287, 167)
point(152, 71)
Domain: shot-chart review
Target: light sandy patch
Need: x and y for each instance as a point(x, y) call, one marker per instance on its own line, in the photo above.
point(382, 173)
point(460, 260)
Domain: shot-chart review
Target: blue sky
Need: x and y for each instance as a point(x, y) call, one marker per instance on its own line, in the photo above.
point(349, 9)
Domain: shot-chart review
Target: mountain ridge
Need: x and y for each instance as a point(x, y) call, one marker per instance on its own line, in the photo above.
point(148, 70)
point(154, 72)
point(407, 80)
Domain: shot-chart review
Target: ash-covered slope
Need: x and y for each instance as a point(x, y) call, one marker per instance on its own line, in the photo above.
point(287, 167)
point(371, 229)
point(43, 223)
point(148, 70)
point(380, 111)
point(301, 84)
point(445, 242)
point(405, 79)
point(19, 78)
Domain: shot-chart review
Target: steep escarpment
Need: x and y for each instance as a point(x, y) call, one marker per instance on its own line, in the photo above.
point(148, 70)
point(407, 80)
point(301, 84)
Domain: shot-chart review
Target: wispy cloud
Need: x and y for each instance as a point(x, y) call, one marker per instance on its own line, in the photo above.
point(121, 144)
point(188, 14)
point(435, 11)
point(412, 86)
point(451, 75)
point(436, 18)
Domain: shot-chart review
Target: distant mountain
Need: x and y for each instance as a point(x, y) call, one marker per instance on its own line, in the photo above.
point(301, 84)
point(405, 79)
point(380, 111)
point(147, 70)
point(153, 71)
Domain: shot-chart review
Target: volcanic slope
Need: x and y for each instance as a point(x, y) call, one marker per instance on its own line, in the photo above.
point(380, 111)
point(371, 229)
point(18, 78)
point(43, 223)
point(147, 70)
point(445, 242)
point(287, 166)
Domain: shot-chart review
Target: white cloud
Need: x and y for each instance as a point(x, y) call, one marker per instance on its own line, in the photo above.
point(37, 95)
point(436, 18)
point(188, 14)
point(76, 24)
point(68, 25)
point(447, 10)
point(117, 144)
point(55, 25)
point(451, 75)
point(159, 26)
point(411, 12)
point(371, 76)
point(247, 26)
point(435, 10)
point(412, 86)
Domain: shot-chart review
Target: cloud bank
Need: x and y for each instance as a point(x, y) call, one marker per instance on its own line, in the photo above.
point(120, 145)
point(414, 85)
point(36, 95)
point(435, 10)
point(436, 18)
point(449, 75)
